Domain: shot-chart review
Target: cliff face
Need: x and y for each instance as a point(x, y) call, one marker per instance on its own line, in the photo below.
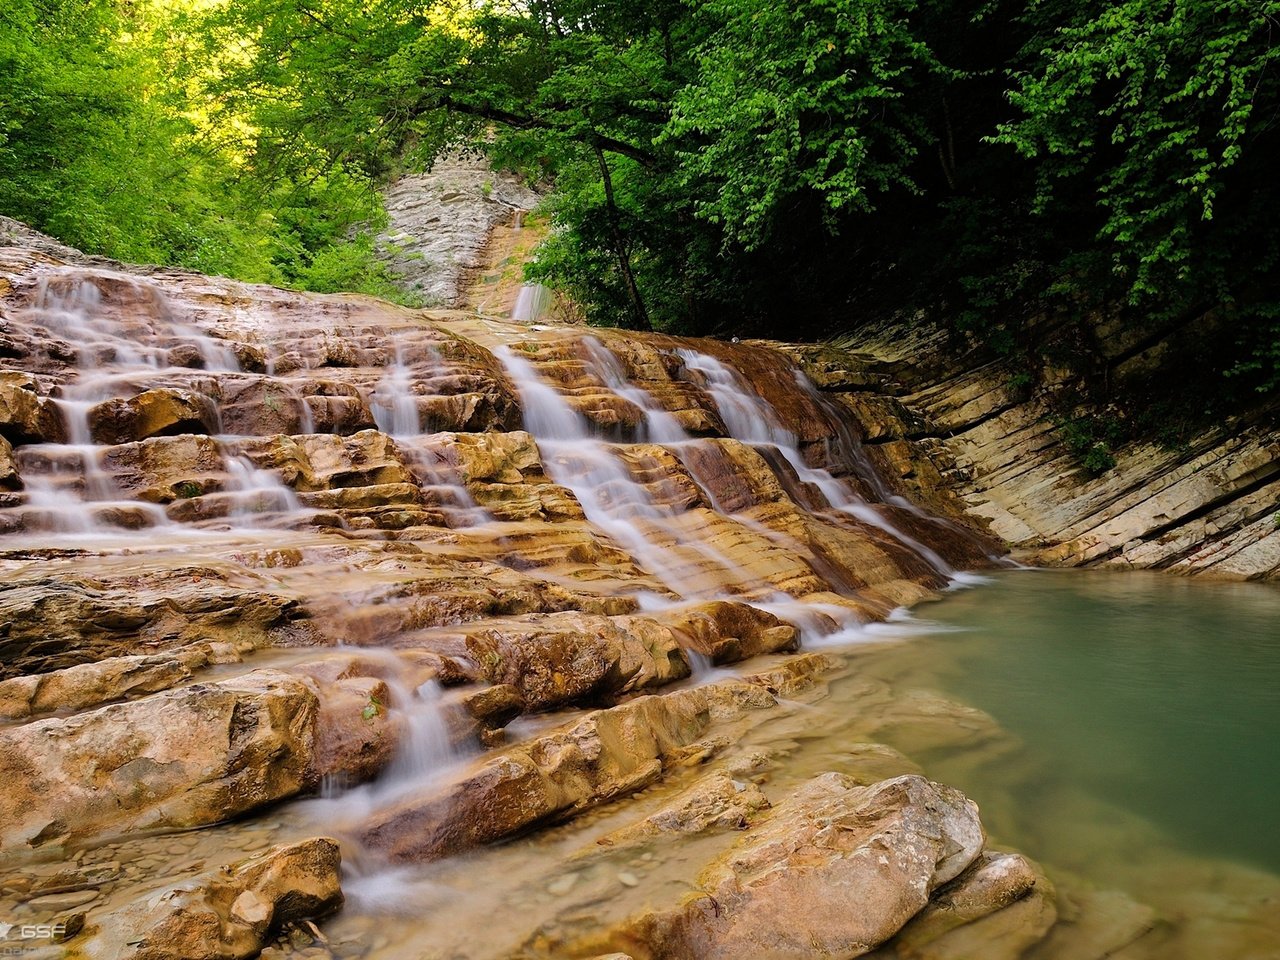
point(960, 436)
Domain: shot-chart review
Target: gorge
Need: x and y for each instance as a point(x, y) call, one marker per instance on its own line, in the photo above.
point(525, 639)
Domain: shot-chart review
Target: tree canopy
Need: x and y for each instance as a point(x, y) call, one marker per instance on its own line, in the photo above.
point(775, 167)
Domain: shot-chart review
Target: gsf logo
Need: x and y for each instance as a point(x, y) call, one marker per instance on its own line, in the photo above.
point(33, 931)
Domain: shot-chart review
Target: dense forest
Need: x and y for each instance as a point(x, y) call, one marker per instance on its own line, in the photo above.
point(781, 167)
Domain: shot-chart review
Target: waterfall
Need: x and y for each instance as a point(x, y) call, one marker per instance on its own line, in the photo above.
point(750, 419)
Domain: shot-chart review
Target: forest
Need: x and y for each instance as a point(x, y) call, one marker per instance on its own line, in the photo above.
point(747, 167)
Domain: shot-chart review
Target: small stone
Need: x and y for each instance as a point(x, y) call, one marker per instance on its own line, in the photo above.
point(562, 885)
point(628, 879)
point(251, 909)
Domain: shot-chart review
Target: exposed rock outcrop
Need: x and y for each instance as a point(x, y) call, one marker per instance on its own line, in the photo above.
point(833, 870)
point(961, 438)
point(228, 915)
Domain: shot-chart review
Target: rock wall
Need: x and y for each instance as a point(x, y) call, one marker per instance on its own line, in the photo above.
point(960, 435)
point(442, 222)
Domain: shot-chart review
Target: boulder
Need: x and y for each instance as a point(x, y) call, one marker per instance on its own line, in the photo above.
point(559, 658)
point(997, 909)
point(186, 757)
point(728, 632)
point(835, 870)
point(230, 914)
point(9, 479)
point(160, 412)
point(90, 684)
point(24, 416)
point(356, 731)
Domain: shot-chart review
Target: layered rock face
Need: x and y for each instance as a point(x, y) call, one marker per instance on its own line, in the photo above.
point(258, 545)
point(963, 438)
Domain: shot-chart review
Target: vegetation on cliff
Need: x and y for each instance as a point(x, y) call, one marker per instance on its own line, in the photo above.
point(1009, 165)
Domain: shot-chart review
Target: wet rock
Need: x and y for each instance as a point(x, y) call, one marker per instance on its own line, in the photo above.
point(560, 658)
point(162, 411)
point(606, 754)
point(716, 802)
point(997, 909)
point(24, 416)
point(9, 479)
point(182, 758)
point(728, 632)
point(835, 870)
point(503, 472)
point(227, 915)
point(59, 620)
point(495, 706)
point(90, 684)
point(356, 730)
point(164, 469)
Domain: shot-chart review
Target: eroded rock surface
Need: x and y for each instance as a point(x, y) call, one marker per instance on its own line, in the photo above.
point(228, 915)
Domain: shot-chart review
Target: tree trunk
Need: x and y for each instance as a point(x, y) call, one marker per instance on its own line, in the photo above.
point(639, 315)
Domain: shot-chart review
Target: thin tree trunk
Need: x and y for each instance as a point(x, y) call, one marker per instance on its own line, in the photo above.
point(639, 315)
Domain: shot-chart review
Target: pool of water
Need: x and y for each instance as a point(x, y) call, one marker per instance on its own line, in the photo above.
point(1140, 719)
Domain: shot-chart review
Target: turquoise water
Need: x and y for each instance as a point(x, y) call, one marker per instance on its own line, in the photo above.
point(1138, 697)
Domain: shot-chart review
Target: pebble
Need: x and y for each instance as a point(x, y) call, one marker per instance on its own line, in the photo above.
point(628, 879)
point(562, 885)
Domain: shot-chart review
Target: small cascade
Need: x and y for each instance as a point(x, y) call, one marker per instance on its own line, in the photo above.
point(576, 457)
point(658, 426)
point(432, 745)
point(394, 404)
point(258, 495)
point(532, 303)
point(398, 414)
point(749, 419)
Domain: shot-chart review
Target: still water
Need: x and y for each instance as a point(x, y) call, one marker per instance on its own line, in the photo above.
point(1139, 720)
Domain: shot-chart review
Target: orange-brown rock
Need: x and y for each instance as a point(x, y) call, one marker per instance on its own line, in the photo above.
point(24, 416)
point(226, 915)
point(833, 871)
point(192, 756)
point(162, 411)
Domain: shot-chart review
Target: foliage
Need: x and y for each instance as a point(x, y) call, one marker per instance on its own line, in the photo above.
point(105, 147)
point(1026, 170)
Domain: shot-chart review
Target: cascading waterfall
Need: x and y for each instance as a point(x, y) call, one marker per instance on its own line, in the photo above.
point(749, 419)
point(397, 413)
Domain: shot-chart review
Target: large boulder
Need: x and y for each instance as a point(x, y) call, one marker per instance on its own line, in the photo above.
point(553, 659)
point(24, 416)
point(152, 413)
point(186, 757)
point(230, 914)
point(834, 871)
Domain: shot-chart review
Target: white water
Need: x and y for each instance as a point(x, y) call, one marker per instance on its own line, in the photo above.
point(749, 419)
point(532, 303)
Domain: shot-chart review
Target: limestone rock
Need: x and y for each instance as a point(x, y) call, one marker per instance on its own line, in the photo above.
point(728, 632)
point(716, 802)
point(9, 479)
point(186, 757)
point(162, 411)
point(357, 731)
point(90, 684)
point(25, 417)
point(835, 870)
point(553, 659)
point(605, 754)
point(227, 915)
point(997, 909)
